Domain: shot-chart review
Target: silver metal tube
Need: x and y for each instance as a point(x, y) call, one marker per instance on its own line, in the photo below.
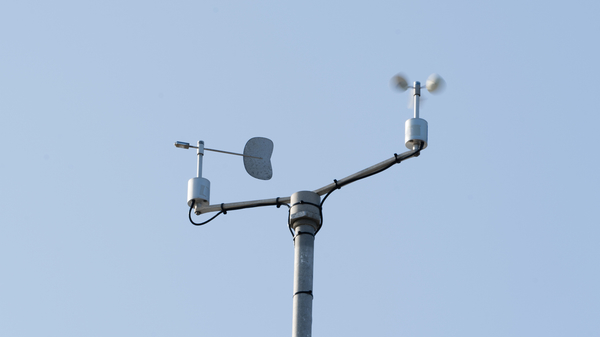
point(416, 97)
point(227, 152)
point(200, 154)
point(244, 204)
point(305, 219)
point(304, 246)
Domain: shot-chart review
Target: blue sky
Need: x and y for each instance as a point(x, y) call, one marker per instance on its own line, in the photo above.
point(492, 231)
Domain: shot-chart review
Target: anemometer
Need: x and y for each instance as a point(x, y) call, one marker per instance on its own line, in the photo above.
point(415, 129)
point(305, 216)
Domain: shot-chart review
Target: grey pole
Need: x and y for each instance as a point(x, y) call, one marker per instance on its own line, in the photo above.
point(305, 220)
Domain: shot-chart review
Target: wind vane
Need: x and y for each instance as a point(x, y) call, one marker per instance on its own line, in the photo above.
point(257, 161)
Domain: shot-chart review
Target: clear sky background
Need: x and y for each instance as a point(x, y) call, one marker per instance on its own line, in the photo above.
point(492, 231)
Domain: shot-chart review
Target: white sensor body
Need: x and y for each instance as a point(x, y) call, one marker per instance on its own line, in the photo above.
point(199, 192)
point(415, 131)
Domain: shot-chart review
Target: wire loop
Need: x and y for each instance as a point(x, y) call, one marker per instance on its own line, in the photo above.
point(202, 223)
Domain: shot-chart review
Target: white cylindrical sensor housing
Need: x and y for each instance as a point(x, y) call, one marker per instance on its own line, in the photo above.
point(415, 131)
point(198, 190)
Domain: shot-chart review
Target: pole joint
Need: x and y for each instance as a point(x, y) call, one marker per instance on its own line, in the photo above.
point(305, 210)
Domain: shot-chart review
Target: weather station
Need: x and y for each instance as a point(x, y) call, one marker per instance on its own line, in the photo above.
point(305, 215)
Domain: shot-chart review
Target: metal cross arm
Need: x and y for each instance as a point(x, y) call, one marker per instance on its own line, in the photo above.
point(396, 159)
point(382, 166)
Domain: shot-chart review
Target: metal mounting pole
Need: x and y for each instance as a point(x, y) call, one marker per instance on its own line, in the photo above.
point(305, 219)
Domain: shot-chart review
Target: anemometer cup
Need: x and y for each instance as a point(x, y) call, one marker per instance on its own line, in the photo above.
point(415, 132)
point(198, 192)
